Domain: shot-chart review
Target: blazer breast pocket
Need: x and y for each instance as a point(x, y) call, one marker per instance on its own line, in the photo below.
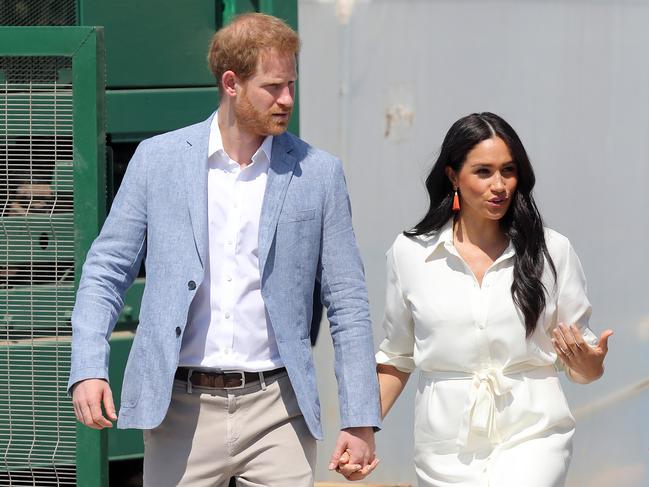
point(296, 216)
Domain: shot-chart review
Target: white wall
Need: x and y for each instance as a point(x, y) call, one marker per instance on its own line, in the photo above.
point(573, 79)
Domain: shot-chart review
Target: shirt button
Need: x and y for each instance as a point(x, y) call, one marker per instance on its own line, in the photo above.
point(227, 316)
point(191, 285)
point(481, 325)
point(229, 278)
point(178, 331)
point(229, 242)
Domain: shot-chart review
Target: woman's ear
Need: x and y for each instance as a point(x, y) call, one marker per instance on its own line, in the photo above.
point(450, 173)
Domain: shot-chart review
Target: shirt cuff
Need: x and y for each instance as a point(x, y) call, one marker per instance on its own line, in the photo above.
point(402, 363)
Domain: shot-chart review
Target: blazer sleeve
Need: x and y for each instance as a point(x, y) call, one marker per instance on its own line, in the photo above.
point(345, 295)
point(111, 265)
point(397, 349)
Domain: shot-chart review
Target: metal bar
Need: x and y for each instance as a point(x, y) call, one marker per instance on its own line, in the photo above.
point(89, 209)
point(134, 113)
point(41, 41)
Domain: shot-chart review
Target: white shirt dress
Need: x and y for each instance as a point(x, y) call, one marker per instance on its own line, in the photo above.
point(489, 408)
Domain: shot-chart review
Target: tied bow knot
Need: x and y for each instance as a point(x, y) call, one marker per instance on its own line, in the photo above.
point(480, 412)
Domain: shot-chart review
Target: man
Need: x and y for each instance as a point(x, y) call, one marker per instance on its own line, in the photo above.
point(239, 221)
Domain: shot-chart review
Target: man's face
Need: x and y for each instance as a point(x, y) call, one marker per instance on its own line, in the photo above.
point(265, 103)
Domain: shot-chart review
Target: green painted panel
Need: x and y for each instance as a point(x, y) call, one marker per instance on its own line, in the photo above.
point(122, 444)
point(236, 7)
point(136, 114)
point(36, 311)
point(131, 312)
point(37, 238)
point(284, 9)
point(34, 405)
point(154, 43)
point(47, 407)
point(43, 41)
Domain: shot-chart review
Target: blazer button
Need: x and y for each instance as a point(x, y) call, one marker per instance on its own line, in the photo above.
point(178, 331)
point(191, 285)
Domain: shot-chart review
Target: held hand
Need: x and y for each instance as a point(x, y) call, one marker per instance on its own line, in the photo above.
point(359, 442)
point(583, 360)
point(88, 396)
point(352, 471)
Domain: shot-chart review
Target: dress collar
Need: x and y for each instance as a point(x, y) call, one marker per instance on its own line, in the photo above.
point(444, 238)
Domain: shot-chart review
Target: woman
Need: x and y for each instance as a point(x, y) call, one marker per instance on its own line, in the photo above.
point(486, 302)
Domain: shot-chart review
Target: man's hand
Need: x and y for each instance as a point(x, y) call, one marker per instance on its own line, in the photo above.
point(88, 396)
point(353, 471)
point(358, 442)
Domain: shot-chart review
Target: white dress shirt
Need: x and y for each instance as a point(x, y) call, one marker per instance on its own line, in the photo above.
point(228, 327)
point(483, 384)
point(438, 318)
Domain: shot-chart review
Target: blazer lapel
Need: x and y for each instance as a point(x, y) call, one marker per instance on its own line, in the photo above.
point(282, 164)
point(196, 182)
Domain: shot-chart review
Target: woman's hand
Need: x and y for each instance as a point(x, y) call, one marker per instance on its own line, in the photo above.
point(584, 363)
point(354, 471)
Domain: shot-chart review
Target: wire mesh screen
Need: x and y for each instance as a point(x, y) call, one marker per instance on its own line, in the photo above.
point(37, 427)
point(38, 12)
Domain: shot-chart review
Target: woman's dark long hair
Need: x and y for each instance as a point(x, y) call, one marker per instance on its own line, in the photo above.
point(522, 223)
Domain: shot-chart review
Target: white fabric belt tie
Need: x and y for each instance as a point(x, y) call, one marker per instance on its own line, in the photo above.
point(480, 411)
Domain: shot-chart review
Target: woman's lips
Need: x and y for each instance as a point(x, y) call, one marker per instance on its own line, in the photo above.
point(497, 201)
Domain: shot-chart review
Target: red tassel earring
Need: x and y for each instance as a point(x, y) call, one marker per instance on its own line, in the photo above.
point(456, 201)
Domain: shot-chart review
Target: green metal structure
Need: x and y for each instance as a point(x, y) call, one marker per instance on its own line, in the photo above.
point(74, 103)
point(53, 204)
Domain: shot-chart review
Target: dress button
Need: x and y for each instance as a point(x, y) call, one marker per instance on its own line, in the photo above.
point(191, 285)
point(227, 316)
point(178, 331)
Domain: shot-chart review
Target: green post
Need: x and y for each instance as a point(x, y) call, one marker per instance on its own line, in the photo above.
point(89, 208)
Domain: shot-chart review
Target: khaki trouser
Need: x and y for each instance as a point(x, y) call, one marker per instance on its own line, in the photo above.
point(256, 434)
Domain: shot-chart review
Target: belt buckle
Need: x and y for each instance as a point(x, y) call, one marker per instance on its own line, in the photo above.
point(243, 378)
point(189, 384)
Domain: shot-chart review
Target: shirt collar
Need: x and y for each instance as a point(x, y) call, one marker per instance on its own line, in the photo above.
point(444, 238)
point(215, 143)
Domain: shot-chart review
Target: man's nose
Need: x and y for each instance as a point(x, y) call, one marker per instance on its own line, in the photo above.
point(286, 97)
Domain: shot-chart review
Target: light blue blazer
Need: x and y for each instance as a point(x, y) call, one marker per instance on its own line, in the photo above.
point(305, 235)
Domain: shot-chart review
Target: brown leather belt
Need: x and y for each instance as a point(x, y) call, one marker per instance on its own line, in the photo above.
point(230, 379)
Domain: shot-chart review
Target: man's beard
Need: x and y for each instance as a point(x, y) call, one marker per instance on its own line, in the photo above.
point(255, 121)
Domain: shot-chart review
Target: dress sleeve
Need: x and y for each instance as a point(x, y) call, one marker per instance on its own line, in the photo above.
point(398, 346)
point(573, 306)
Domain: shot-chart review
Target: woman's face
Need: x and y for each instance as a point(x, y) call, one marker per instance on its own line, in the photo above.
point(487, 180)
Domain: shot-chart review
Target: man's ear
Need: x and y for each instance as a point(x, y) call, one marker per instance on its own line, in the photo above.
point(229, 82)
point(450, 173)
